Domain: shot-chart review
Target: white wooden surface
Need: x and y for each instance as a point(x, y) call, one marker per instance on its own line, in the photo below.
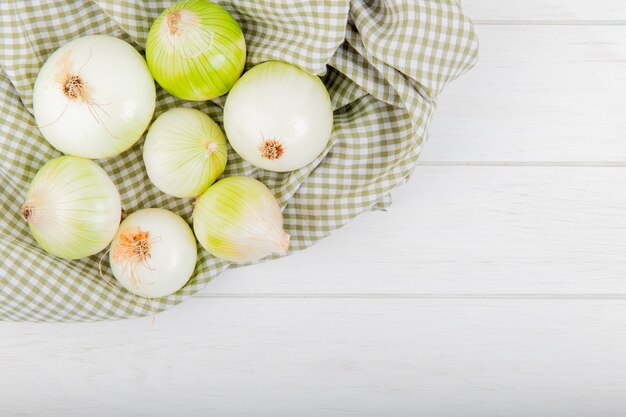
point(495, 286)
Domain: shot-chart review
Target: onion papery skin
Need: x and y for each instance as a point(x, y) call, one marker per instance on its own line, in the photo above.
point(196, 50)
point(72, 207)
point(111, 109)
point(239, 219)
point(185, 151)
point(279, 105)
point(171, 259)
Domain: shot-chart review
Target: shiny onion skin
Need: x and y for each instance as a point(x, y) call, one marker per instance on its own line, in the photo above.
point(94, 97)
point(278, 117)
point(239, 219)
point(72, 207)
point(196, 50)
point(153, 253)
point(185, 151)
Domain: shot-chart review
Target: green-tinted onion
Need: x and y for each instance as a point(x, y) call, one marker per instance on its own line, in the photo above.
point(196, 50)
point(185, 152)
point(239, 219)
point(72, 207)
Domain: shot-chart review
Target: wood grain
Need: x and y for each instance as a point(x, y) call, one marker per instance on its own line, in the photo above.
point(493, 288)
point(467, 230)
point(361, 357)
point(538, 94)
point(548, 11)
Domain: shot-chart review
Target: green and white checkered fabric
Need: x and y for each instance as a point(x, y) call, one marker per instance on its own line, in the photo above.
point(383, 61)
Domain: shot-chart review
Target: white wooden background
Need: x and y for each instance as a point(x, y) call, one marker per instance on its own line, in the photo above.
point(495, 286)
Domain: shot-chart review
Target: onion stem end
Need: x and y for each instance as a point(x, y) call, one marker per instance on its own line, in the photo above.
point(173, 17)
point(27, 211)
point(272, 149)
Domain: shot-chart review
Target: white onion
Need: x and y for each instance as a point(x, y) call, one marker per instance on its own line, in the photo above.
point(185, 152)
point(154, 253)
point(239, 219)
point(94, 97)
point(72, 207)
point(278, 117)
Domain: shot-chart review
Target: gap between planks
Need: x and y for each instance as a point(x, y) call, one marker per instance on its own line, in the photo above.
point(617, 297)
point(559, 22)
point(557, 164)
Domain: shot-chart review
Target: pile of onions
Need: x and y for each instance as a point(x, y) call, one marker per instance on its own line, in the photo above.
point(94, 97)
point(154, 253)
point(196, 50)
point(184, 152)
point(239, 219)
point(72, 207)
point(278, 117)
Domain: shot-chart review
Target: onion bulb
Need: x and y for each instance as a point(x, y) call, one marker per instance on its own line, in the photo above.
point(72, 207)
point(196, 50)
point(153, 253)
point(239, 219)
point(278, 117)
point(94, 97)
point(184, 152)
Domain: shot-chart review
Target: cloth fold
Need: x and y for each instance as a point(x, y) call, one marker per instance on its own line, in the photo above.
point(383, 62)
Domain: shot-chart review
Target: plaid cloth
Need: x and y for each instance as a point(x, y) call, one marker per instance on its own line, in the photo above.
point(383, 61)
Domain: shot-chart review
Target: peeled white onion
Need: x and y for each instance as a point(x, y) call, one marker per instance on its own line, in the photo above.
point(72, 207)
point(239, 219)
point(278, 117)
point(185, 152)
point(94, 97)
point(153, 253)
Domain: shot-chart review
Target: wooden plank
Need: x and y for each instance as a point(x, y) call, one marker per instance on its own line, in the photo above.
point(467, 230)
point(439, 358)
point(537, 94)
point(551, 10)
